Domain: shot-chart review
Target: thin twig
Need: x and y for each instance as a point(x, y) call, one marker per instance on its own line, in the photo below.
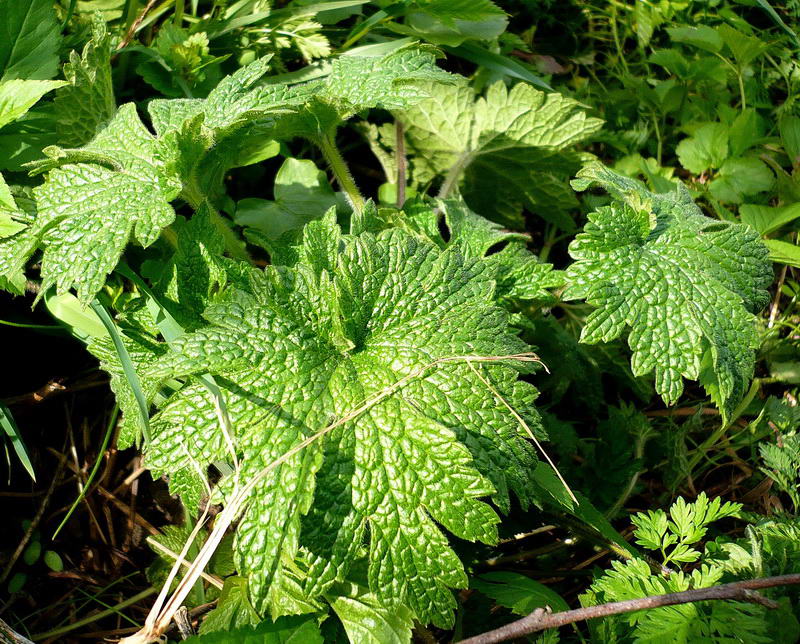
point(400, 147)
point(135, 26)
point(542, 619)
point(10, 636)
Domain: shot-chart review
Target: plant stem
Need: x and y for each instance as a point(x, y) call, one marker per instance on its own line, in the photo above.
point(342, 173)
point(715, 437)
point(453, 175)
point(541, 619)
point(178, 16)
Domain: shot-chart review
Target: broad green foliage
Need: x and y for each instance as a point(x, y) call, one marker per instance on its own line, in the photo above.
point(686, 285)
point(18, 96)
point(87, 104)
point(358, 319)
point(186, 200)
point(519, 593)
point(395, 81)
point(29, 40)
point(505, 151)
point(302, 193)
point(518, 273)
point(451, 22)
point(88, 209)
point(301, 629)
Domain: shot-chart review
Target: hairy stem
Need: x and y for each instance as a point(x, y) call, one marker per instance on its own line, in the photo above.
point(453, 175)
point(342, 173)
point(541, 619)
point(197, 199)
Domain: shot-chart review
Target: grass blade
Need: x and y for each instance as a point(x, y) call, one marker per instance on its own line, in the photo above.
point(109, 431)
point(127, 368)
point(766, 6)
point(12, 431)
point(497, 63)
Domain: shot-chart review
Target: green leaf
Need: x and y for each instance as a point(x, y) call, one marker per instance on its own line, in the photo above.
point(196, 273)
point(686, 285)
point(18, 96)
point(29, 40)
point(86, 105)
point(8, 212)
point(233, 610)
point(394, 81)
point(497, 63)
point(707, 149)
point(739, 178)
point(13, 435)
point(451, 22)
point(506, 151)
point(359, 318)
point(789, 128)
point(519, 593)
point(302, 194)
point(783, 252)
point(53, 561)
point(745, 48)
point(703, 37)
point(88, 209)
point(518, 273)
point(300, 629)
point(367, 621)
point(201, 139)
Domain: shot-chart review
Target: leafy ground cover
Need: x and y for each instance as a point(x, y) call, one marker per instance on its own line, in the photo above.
point(376, 322)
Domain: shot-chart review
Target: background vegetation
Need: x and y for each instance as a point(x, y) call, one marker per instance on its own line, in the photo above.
point(694, 494)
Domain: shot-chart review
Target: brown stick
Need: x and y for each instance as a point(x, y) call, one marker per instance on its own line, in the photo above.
point(542, 619)
point(9, 636)
point(135, 25)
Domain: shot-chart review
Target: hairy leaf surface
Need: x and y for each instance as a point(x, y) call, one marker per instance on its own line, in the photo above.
point(506, 151)
point(686, 285)
point(113, 188)
point(87, 104)
point(358, 318)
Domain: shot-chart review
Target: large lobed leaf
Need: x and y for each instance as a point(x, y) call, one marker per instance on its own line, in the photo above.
point(506, 151)
point(115, 188)
point(686, 285)
point(303, 346)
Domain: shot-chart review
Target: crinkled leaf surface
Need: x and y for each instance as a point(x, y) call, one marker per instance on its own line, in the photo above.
point(686, 285)
point(518, 273)
point(87, 104)
point(508, 148)
point(395, 81)
point(308, 344)
point(89, 208)
point(203, 138)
